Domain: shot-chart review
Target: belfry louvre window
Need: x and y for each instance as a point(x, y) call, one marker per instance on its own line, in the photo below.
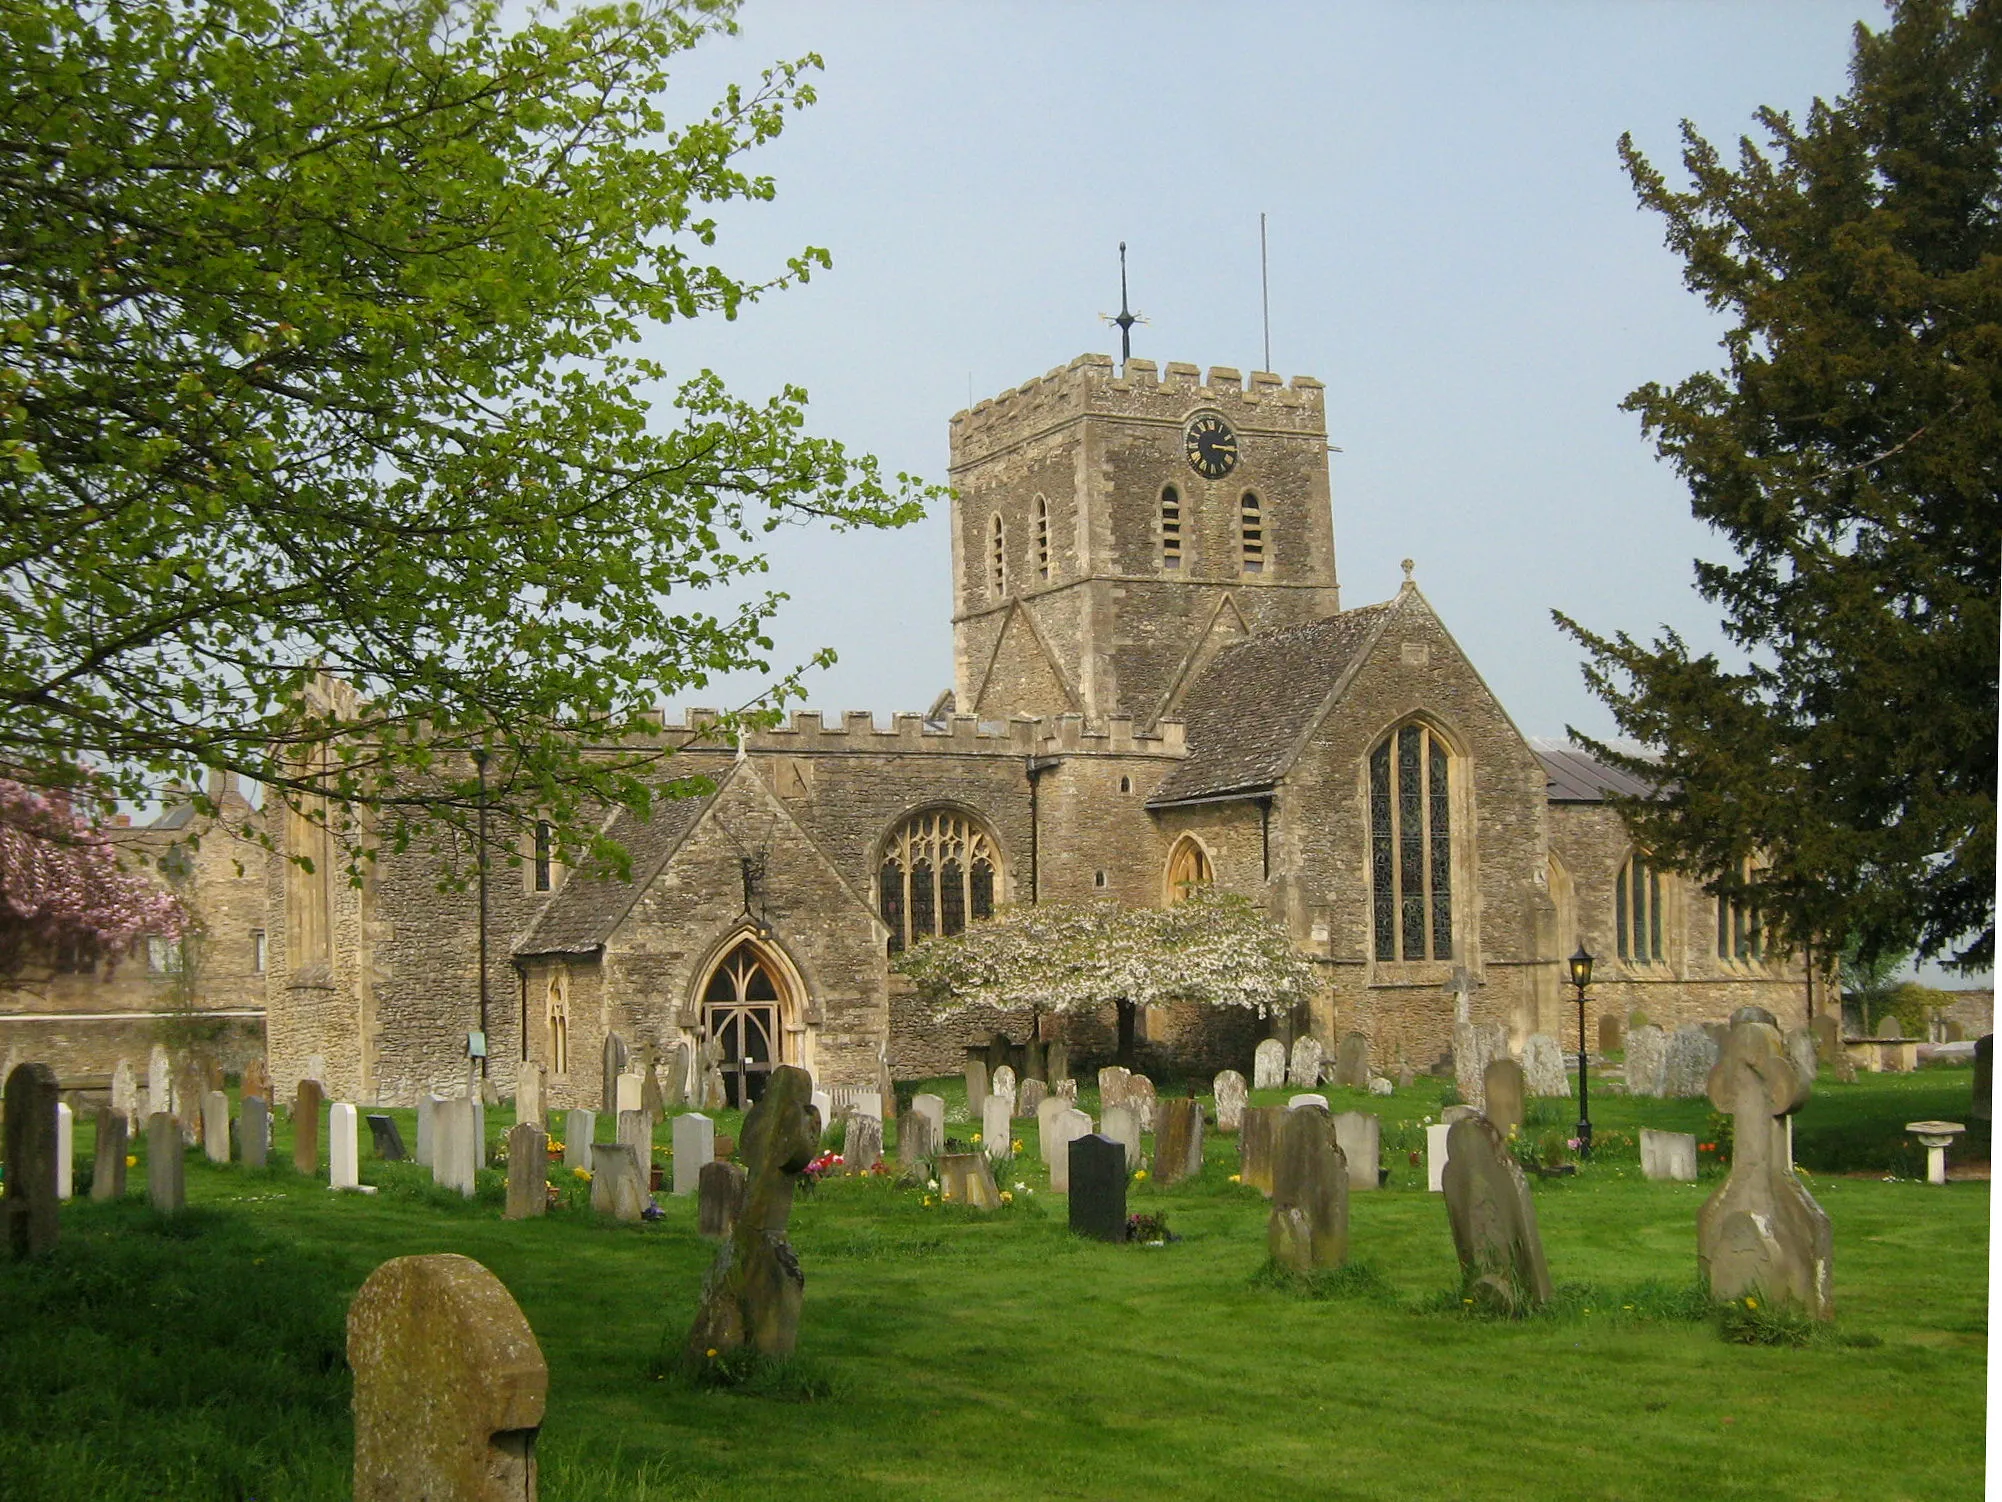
point(1251, 533)
point(938, 872)
point(1171, 528)
point(1637, 911)
point(1738, 933)
point(1411, 846)
point(998, 558)
point(1042, 538)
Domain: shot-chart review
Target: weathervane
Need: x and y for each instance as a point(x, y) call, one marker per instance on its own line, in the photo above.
point(1125, 318)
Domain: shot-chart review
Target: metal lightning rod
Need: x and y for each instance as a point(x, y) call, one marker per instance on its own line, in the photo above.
point(1264, 294)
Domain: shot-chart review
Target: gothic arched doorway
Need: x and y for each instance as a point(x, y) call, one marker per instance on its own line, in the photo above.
point(743, 1015)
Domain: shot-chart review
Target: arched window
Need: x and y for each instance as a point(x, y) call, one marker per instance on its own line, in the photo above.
point(740, 1013)
point(998, 558)
point(1637, 911)
point(1171, 528)
point(558, 1011)
point(1739, 936)
point(1411, 845)
point(1042, 538)
point(1251, 533)
point(939, 871)
point(1188, 868)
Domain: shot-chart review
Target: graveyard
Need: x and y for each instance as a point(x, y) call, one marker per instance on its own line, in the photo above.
point(949, 1350)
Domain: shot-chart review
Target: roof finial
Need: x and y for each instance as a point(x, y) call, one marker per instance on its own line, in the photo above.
point(1407, 570)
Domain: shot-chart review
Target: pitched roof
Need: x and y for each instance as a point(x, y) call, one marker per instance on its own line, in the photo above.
point(580, 917)
point(1257, 698)
point(1576, 776)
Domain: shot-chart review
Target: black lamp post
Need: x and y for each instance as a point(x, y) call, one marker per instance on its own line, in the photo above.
point(1581, 977)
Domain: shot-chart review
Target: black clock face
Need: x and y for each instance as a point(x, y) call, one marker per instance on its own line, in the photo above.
point(1211, 447)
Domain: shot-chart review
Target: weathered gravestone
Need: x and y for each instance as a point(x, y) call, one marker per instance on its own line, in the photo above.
point(453, 1162)
point(1827, 1038)
point(30, 1198)
point(1692, 1054)
point(580, 1130)
point(215, 1126)
point(1806, 1057)
point(976, 1087)
point(1122, 1125)
point(1360, 1137)
point(674, 1082)
point(1762, 1233)
point(1096, 1170)
point(719, 1199)
point(917, 1139)
point(1046, 1116)
point(165, 1172)
point(1352, 1062)
point(1502, 1084)
point(1031, 1096)
point(1612, 1037)
point(1890, 1027)
point(1438, 1149)
point(1231, 1097)
point(527, 1171)
point(966, 1179)
point(1268, 1065)
point(125, 1098)
point(306, 1127)
point(1309, 1224)
point(1647, 1060)
point(449, 1385)
point(1257, 1142)
point(635, 1131)
point(755, 1289)
point(1493, 1220)
point(1178, 1140)
point(1112, 1084)
point(1067, 1088)
point(617, 1188)
point(530, 1093)
point(695, 1145)
point(653, 1099)
point(1543, 1073)
point(1034, 1064)
point(1668, 1155)
point(343, 1146)
point(1003, 1088)
point(630, 1091)
point(253, 1128)
point(1981, 1108)
point(862, 1142)
point(612, 1059)
point(934, 1107)
point(1475, 1046)
point(1141, 1098)
point(1066, 1126)
point(427, 1122)
point(66, 1151)
point(190, 1085)
point(1057, 1061)
point(1303, 1072)
point(256, 1078)
point(385, 1139)
point(159, 1081)
point(107, 1174)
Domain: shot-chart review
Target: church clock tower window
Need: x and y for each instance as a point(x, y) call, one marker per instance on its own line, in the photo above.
point(998, 558)
point(1251, 533)
point(1171, 529)
point(1411, 846)
point(938, 871)
point(1042, 538)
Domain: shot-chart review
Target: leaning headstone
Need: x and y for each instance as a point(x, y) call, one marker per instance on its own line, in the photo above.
point(1309, 1224)
point(1438, 1149)
point(617, 1189)
point(694, 1145)
point(719, 1199)
point(1494, 1221)
point(1360, 1137)
point(1806, 1057)
point(1268, 1066)
point(966, 1179)
point(529, 1093)
point(253, 1126)
point(1668, 1155)
point(1351, 1063)
point(159, 1082)
point(1096, 1171)
point(1647, 1060)
point(1762, 1233)
point(1612, 1037)
point(1066, 1126)
point(862, 1142)
point(1257, 1143)
point(1231, 1097)
point(1543, 1073)
point(65, 1151)
point(306, 1127)
point(1140, 1096)
point(165, 1172)
point(384, 1138)
point(1178, 1140)
point(1003, 1087)
point(343, 1146)
point(917, 1139)
point(1691, 1056)
point(454, 1163)
point(1112, 1082)
point(976, 1087)
point(527, 1171)
point(1122, 1125)
point(612, 1060)
point(934, 1107)
point(125, 1093)
point(449, 1385)
point(107, 1175)
point(995, 1126)
point(1304, 1071)
point(1503, 1086)
point(1032, 1094)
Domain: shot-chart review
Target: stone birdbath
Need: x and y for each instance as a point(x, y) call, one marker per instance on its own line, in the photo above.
point(1936, 1135)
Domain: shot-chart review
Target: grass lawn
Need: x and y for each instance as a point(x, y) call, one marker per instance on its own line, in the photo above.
point(946, 1354)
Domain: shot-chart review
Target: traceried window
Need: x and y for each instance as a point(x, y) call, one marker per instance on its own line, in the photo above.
point(939, 872)
point(1637, 912)
point(1042, 538)
point(1411, 846)
point(1739, 936)
point(1188, 868)
point(997, 560)
point(1251, 533)
point(1171, 529)
point(558, 1011)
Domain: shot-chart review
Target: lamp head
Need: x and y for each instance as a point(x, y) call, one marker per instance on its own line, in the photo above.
point(1581, 968)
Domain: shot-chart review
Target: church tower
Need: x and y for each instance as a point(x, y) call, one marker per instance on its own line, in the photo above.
point(1112, 532)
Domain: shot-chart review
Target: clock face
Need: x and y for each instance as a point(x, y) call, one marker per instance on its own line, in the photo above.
point(1211, 447)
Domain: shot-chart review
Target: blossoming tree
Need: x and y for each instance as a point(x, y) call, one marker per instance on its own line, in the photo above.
point(61, 884)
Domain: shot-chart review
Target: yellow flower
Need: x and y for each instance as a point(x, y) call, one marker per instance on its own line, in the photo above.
point(1007, 1196)
point(1237, 1178)
point(1751, 1303)
point(927, 1202)
point(1139, 1174)
point(712, 1353)
point(1014, 1147)
point(582, 1173)
point(131, 1160)
point(976, 1139)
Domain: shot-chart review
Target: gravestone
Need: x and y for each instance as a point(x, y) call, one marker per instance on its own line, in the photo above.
point(306, 1127)
point(107, 1174)
point(256, 1079)
point(635, 1130)
point(1543, 1073)
point(864, 1098)
point(1178, 1141)
point(1612, 1037)
point(1352, 1063)
point(1691, 1056)
point(125, 1093)
point(1311, 1098)
point(1503, 1086)
point(530, 1092)
point(1647, 1061)
point(998, 1052)
point(719, 1199)
point(1304, 1070)
point(1890, 1027)
point(1066, 1126)
point(995, 1125)
point(580, 1130)
point(821, 1103)
point(934, 1107)
point(1231, 1096)
point(612, 1059)
point(1268, 1065)
point(653, 1100)
point(630, 1089)
point(1257, 1142)
point(343, 1146)
point(1806, 1057)
point(1360, 1137)
point(427, 1126)
point(1122, 1125)
point(1493, 1220)
point(1031, 1096)
point(254, 1128)
point(1438, 1149)
point(1668, 1155)
point(966, 1179)
point(190, 1085)
point(1309, 1225)
point(1140, 1096)
point(1112, 1083)
point(527, 1171)
point(385, 1139)
point(1827, 1038)
point(917, 1138)
point(1003, 1087)
point(159, 1081)
point(617, 1189)
point(449, 1385)
point(1057, 1060)
point(1378, 1085)
point(755, 1289)
point(1096, 1171)
point(976, 1087)
point(674, 1084)
point(1046, 1115)
point(1475, 1046)
point(862, 1142)
point(694, 1145)
point(1067, 1088)
point(1762, 1233)
point(1982, 1107)
point(165, 1173)
point(1034, 1064)
point(454, 1162)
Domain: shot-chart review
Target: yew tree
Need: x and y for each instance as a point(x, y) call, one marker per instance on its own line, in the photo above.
point(320, 354)
point(1848, 451)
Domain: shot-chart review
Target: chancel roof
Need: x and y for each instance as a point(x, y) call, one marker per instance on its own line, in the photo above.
point(1247, 714)
point(1576, 776)
point(580, 917)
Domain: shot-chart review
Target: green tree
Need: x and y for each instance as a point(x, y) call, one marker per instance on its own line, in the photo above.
point(318, 367)
point(1848, 452)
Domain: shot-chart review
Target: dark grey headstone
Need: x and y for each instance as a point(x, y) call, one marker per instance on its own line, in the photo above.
point(30, 1200)
point(1352, 1062)
point(1178, 1140)
point(527, 1169)
point(166, 1188)
point(388, 1140)
point(1505, 1086)
point(1309, 1225)
point(253, 1127)
point(1098, 1188)
point(1983, 1107)
point(107, 1177)
point(719, 1198)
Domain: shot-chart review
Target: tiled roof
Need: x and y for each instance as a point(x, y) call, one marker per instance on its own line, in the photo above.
point(1247, 712)
point(584, 911)
point(1576, 776)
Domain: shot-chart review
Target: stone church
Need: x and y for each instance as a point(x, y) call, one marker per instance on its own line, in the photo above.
point(1156, 683)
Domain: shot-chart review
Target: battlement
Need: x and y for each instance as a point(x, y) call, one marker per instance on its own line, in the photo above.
point(1090, 386)
point(856, 731)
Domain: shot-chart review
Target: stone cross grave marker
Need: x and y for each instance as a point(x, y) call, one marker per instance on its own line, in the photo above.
point(1692, 1054)
point(1309, 1224)
point(1668, 1155)
point(65, 1150)
point(306, 1128)
point(1360, 1137)
point(215, 1126)
point(1178, 1140)
point(1067, 1124)
point(1502, 1085)
point(1268, 1065)
point(1231, 1096)
point(527, 1171)
point(254, 1127)
point(107, 1177)
point(616, 1186)
point(1647, 1061)
point(862, 1142)
point(166, 1187)
point(995, 1125)
point(694, 1145)
point(719, 1199)
point(976, 1087)
point(343, 1146)
point(1493, 1220)
point(1761, 1232)
point(454, 1160)
point(449, 1385)
point(1352, 1062)
point(1096, 1174)
point(1304, 1072)
point(1543, 1073)
point(30, 1196)
point(385, 1139)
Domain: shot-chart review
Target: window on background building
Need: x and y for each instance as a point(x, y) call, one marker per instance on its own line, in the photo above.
point(998, 558)
point(1042, 538)
point(558, 1011)
point(1251, 533)
point(1411, 845)
point(163, 956)
point(1171, 528)
point(1739, 936)
point(76, 956)
point(1188, 868)
point(544, 854)
point(1637, 912)
point(260, 951)
point(939, 872)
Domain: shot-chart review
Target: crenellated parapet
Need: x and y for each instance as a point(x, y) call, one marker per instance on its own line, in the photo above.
point(859, 732)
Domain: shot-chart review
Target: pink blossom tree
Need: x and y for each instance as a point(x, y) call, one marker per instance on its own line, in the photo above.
point(61, 883)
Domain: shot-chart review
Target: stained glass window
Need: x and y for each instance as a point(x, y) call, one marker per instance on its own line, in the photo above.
point(938, 874)
point(1637, 920)
point(1411, 846)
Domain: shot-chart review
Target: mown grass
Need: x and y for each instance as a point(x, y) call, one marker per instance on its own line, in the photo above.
point(948, 1353)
